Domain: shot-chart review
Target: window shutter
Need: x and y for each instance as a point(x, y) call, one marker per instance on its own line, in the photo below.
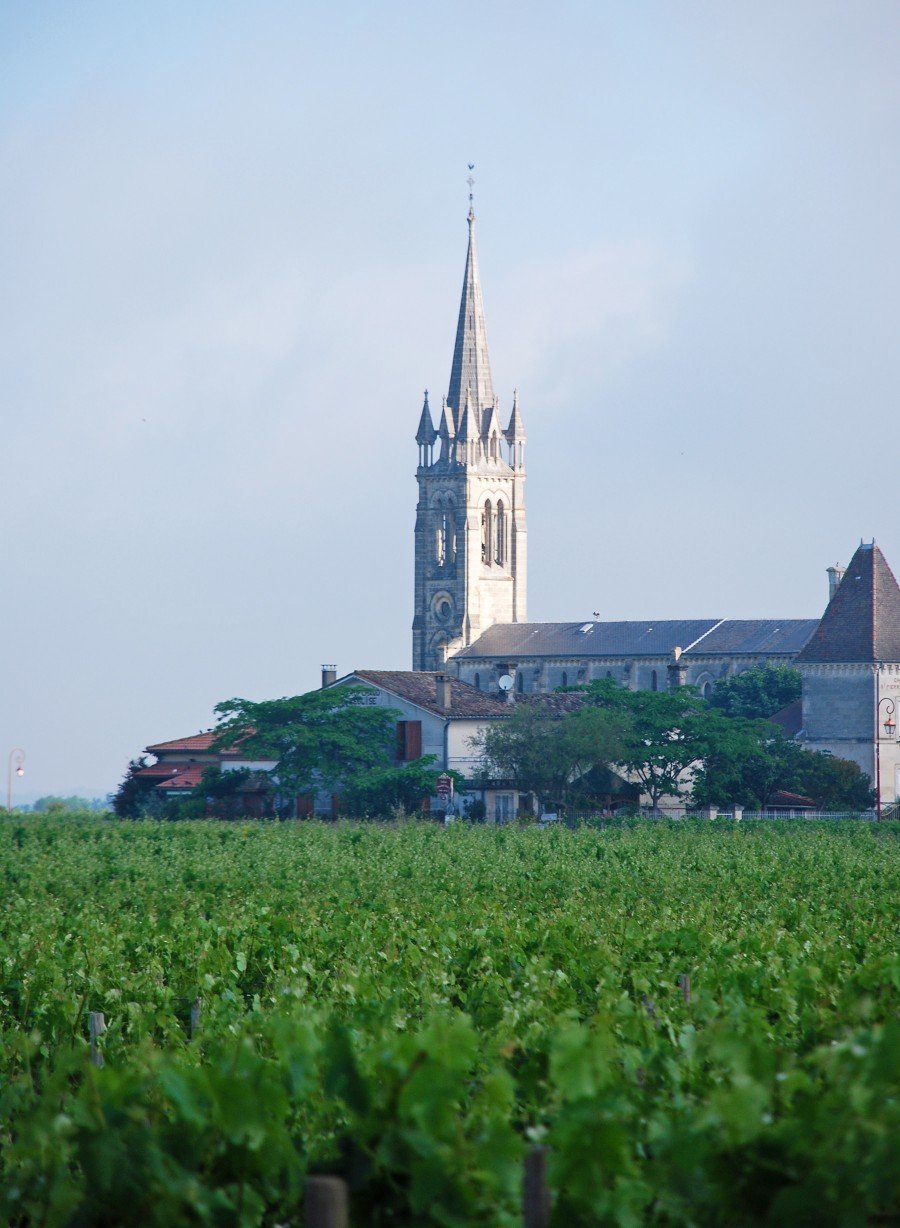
point(413, 739)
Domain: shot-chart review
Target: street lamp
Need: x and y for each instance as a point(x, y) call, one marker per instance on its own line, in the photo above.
point(889, 725)
point(17, 762)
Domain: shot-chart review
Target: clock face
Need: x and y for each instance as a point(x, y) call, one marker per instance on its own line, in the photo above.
point(506, 682)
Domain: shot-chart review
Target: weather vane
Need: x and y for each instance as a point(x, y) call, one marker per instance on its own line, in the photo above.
point(471, 182)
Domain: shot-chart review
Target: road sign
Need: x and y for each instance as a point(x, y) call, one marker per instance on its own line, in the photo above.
point(444, 786)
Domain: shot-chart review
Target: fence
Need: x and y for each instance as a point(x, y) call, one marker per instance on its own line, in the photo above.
point(580, 818)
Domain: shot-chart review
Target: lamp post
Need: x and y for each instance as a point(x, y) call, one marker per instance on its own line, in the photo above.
point(17, 761)
point(890, 728)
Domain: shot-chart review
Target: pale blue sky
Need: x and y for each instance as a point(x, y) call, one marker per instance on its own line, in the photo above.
point(233, 238)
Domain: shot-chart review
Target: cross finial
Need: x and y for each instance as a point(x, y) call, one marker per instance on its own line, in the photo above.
point(471, 182)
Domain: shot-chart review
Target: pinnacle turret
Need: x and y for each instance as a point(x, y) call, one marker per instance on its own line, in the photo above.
point(491, 422)
point(516, 428)
point(468, 429)
point(426, 434)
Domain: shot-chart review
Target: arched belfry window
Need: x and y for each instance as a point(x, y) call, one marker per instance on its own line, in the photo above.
point(445, 534)
point(439, 542)
point(478, 682)
point(654, 681)
point(449, 529)
point(501, 532)
point(487, 532)
point(565, 678)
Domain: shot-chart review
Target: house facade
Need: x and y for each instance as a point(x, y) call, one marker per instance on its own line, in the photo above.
point(439, 715)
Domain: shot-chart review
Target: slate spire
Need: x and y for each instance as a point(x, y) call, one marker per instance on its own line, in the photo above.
point(471, 367)
point(516, 428)
point(426, 434)
point(862, 621)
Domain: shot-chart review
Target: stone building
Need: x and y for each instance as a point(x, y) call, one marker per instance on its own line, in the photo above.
point(851, 672)
point(470, 602)
point(470, 560)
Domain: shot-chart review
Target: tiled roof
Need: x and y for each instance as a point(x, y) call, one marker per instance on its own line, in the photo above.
point(588, 639)
point(420, 687)
point(790, 718)
point(187, 777)
point(196, 742)
point(862, 621)
point(651, 638)
point(738, 636)
point(158, 770)
point(792, 801)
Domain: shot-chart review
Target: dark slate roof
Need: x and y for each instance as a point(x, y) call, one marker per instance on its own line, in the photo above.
point(625, 639)
point(789, 718)
point(862, 621)
point(420, 687)
point(700, 636)
point(739, 636)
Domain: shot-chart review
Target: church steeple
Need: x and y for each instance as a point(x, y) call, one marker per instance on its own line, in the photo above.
point(471, 538)
point(471, 366)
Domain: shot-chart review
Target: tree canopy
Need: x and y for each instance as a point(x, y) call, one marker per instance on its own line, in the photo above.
point(759, 691)
point(546, 753)
point(662, 734)
point(319, 740)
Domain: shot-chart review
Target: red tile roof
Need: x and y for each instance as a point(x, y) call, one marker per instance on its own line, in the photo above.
point(792, 801)
point(158, 770)
point(195, 742)
point(187, 777)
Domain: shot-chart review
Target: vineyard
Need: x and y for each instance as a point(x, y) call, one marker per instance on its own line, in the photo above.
point(698, 1022)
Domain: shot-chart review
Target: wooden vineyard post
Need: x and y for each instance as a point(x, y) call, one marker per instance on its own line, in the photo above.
point(196, 1008)
point(326, 1202)
point(535, 1191)
point(684, 984)
point(97, 1026)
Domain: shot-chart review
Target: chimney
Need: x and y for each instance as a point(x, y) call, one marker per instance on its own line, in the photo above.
point(835, 575)
point(677, 670)
point(442, 690)
point(329, 675)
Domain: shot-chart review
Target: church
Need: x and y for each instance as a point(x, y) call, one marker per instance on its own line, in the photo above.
point(470, 591)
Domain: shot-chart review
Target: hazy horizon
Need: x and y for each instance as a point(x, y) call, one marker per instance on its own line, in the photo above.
point(234, 240)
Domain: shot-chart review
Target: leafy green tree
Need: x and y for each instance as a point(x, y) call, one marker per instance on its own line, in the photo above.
point(134, 791)
point(835, 784)
point(760, 691)
point(747, 762)
point(319, 740)
point(663, 735)
point(546, 753)
point(383, 790)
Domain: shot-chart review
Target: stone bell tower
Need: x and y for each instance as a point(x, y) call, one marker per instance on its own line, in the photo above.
point(470, 567)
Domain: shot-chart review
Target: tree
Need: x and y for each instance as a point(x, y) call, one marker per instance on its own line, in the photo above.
point(663, 734)
point(381, 791)
point(546, 753)
point(759, 691)
point(134, 791)
point(318, 741)
point(747, 762)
